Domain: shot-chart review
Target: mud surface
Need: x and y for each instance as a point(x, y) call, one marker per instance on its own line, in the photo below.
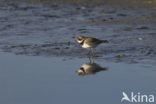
point(50, 30)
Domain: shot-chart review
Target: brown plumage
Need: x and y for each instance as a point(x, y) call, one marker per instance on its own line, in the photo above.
point(89, 42)
point(93, 42)
point(90, 68)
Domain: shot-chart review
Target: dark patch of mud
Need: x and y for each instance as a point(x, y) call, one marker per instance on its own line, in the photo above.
point(51, 29)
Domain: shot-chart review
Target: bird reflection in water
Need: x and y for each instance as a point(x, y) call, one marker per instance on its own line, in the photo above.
point(90, 68)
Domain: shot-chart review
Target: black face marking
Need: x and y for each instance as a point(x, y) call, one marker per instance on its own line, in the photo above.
point(82, 43)
point(82, 69)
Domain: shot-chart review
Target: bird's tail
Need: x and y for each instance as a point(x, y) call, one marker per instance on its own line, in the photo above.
point(104, 41)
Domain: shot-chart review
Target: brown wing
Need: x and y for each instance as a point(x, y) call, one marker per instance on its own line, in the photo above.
point(93, 41)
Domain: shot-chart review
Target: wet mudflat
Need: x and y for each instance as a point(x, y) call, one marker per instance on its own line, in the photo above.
point(38, 80)
point(42, 29)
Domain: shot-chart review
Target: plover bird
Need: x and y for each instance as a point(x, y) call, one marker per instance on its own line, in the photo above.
point(90, 68)
point(89, 42)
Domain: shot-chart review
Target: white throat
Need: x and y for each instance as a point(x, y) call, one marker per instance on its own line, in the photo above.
point(79, 41)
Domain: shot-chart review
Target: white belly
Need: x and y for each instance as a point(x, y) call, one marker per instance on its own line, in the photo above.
point(86, 46)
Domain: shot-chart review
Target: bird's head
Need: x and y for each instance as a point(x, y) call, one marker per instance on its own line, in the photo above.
point(80, 39)
point(81, 71)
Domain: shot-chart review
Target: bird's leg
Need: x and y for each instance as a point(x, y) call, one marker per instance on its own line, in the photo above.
point(92, 50)
point(89, 55)
point(90, 60)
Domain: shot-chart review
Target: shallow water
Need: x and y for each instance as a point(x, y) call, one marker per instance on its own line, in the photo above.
point(53, 80)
